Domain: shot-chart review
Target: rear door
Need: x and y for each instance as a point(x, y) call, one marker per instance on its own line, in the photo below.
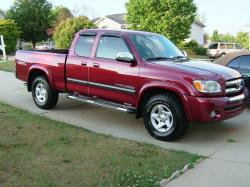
point(77, 66)
point(110, 79)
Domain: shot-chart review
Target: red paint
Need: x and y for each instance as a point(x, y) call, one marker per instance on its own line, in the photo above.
point(176, 77)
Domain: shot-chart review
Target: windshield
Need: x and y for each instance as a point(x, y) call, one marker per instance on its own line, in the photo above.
point(156, 47)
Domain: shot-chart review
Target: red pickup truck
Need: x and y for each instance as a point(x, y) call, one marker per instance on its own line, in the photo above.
point(136, 72)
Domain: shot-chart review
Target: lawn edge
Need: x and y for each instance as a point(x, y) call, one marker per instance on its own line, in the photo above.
point(178, 173)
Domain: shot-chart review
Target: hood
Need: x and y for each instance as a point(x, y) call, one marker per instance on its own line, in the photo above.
point(202, 68)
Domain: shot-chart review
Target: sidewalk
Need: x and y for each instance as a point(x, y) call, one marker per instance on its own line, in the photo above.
point(228, 164)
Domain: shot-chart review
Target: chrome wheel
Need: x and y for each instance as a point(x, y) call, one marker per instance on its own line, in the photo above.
point(161, 118)
point(41, 93)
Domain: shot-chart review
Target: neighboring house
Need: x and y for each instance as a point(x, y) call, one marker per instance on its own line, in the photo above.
point(115, 21)
point(118, 21)
point(197, 33)
point(2, 14)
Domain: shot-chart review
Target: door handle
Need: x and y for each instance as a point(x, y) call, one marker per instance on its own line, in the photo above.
point(96, 65)
point(84, 63)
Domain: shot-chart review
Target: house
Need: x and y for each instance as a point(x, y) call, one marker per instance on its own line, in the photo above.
point(2, 14)
point(197, 33)
point(118, 21)
point(115, 21)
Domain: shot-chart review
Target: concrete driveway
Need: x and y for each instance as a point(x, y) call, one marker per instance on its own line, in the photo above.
point(228, 163)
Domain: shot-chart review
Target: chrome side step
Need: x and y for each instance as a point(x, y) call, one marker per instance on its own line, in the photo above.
point(103, 103)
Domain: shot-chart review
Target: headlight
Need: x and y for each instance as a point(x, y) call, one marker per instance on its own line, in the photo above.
point(207, 86)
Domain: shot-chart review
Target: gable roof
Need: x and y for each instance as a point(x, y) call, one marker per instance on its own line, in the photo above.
point(121, 19)
point(118, 18)
point(2, 13)
point(199, 23)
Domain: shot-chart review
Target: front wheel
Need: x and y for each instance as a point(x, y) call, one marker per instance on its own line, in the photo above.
point(164, 117)
point(42, 94)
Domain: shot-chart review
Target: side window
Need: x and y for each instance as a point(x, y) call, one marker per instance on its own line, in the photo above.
point(230, 46)
point(214, 46)
point(234, 63)
point(109, 46)
point(222, 46)
point(237, 46)
point(245, 62)
point(84, 45)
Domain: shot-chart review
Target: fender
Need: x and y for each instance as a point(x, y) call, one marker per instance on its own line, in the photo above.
point(170, 87)
point(49, 76)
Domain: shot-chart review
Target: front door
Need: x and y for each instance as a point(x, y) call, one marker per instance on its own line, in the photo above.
point(110, 79)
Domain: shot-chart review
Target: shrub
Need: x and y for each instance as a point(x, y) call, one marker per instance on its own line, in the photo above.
point(200, 50)
point(65, 31)
point(10, 32)
point(191, 44)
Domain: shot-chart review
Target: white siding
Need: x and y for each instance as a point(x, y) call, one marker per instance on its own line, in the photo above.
point(1, 16)
point(106, 23)
point(197, 34)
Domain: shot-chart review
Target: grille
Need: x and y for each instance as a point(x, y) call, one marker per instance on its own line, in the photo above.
point(234, 86)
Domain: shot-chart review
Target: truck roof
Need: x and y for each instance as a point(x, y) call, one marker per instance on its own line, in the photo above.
point(117, 31)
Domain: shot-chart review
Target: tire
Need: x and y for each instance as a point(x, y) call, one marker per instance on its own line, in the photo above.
point(173, 116)
point(223, 54)
point(42, 94)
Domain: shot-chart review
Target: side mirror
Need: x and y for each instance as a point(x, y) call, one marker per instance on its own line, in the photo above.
point(125, 57)
point(184, 53)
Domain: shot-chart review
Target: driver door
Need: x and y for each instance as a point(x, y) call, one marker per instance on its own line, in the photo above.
point(110, 79)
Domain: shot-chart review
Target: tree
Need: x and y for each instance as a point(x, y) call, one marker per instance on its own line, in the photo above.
point(32, 16)
point(59, 14)
point(10, 32)
point(243, 39)
point(168, 17)
point(217, 37)
point(65, 31)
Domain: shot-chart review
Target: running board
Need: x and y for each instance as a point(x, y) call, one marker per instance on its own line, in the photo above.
point(103, 103)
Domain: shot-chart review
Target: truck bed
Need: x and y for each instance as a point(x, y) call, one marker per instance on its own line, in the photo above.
point(52, 61)
point(59, 51)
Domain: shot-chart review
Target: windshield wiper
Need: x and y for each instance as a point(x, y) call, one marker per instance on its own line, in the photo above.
point(160, 58)
point(181, 58)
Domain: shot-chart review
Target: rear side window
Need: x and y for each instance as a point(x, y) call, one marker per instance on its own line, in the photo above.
point(222, 46)
point(245, 62)
point(237, 46)
point(84, 45)
point(214, 46)
point(109, 46)
point(230, 46)
point(235, 64)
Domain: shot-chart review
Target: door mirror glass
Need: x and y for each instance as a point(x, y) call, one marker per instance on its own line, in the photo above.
point(125, 57)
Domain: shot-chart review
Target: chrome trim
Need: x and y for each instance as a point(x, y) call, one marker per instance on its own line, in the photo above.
point(77, 81)
point(116, 88)
point(234, 86)
point(103, 103)
point(233, 90)
point(234, 82)
point(240, 97)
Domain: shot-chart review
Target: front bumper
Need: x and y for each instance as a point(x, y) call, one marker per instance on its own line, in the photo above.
point(224, 107)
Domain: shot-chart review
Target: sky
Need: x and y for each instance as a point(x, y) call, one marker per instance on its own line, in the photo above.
point(226, 16)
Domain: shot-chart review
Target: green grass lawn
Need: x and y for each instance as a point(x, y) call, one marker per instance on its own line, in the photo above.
point(7, 66)
point(37, 151)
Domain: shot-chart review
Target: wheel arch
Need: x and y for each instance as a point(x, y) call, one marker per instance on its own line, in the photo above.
point(36, 71)
point(149, 91)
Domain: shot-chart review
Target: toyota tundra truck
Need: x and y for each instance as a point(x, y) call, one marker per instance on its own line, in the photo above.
point(136, 72)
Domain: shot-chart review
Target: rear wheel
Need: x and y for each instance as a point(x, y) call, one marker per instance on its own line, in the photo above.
point(164, 117)
point(42, 94)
